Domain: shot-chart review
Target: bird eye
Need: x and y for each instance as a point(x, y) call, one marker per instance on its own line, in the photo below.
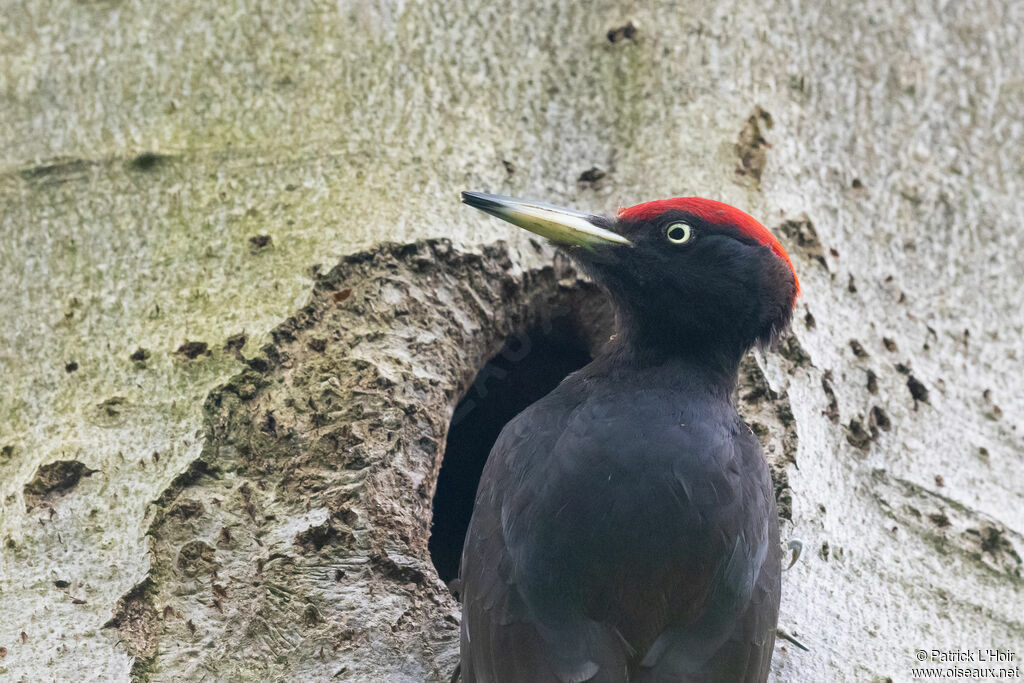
point(678, 233)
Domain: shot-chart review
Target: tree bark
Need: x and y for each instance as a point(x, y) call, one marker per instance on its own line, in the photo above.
point(242, 302)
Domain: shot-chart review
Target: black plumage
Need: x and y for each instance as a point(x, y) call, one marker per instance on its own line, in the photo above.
point(624, 527)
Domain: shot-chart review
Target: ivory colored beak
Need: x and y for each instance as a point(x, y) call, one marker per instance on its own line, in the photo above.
point(562, 226)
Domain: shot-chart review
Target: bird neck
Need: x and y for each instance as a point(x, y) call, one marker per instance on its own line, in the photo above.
point(711, 363)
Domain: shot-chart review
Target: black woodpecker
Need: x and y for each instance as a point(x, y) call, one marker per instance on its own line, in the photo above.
point(624, 527)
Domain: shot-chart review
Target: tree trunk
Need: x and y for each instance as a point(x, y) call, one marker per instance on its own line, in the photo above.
point(242, 303)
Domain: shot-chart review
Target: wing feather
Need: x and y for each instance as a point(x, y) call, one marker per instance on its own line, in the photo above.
point(620, 536)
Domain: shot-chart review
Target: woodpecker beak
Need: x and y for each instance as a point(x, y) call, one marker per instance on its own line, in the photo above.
point(562, 226)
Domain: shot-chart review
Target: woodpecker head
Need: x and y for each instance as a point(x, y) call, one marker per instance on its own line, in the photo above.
point(690, 274)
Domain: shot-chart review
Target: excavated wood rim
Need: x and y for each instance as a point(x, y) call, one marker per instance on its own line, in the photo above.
point(330, 442)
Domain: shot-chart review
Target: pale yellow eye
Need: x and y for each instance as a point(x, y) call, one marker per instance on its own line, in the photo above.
point(678, 233)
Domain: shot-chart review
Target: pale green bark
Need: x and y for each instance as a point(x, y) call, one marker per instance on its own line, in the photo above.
point(333, 127)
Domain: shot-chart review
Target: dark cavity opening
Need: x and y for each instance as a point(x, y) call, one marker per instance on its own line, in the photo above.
point(529, 366)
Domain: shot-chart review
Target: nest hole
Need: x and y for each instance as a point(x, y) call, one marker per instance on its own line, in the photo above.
point(527, 367)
